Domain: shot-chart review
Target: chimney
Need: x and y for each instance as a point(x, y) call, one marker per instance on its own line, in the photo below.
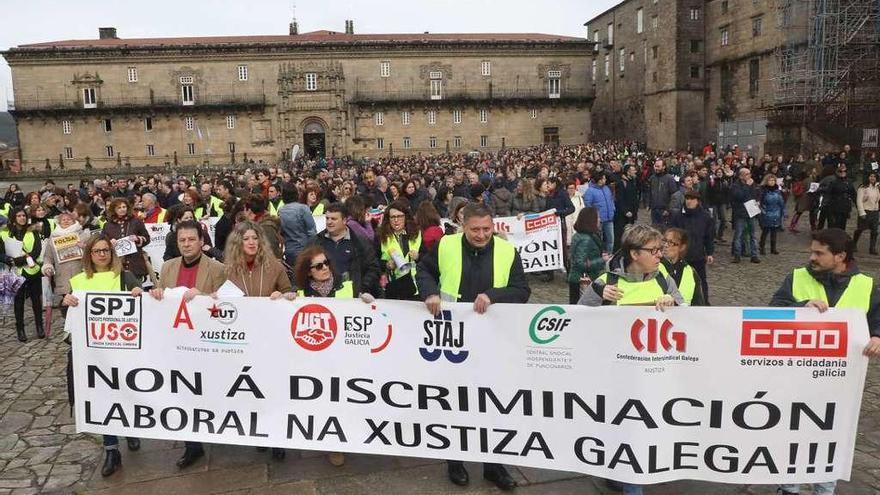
point(107, 33)
point(349, 27)
point(294, 28)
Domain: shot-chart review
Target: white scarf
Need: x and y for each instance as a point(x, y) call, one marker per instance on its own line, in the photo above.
point(74, 228)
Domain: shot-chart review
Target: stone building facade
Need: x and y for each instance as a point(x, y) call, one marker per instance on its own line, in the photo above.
point(706, 66)
point(109, 102)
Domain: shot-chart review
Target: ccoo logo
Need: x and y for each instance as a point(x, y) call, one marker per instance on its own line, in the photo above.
point(667, 338)
point(313, 327)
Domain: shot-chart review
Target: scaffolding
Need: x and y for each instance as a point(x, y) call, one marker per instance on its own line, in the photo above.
point(829, 64)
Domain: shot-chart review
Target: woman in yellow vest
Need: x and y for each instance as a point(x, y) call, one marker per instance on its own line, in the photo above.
point(634, 277)
point(315, 277)
point(314, 199)
point(675, 246)
point(27, 266)
point(102, 272)
point(400, 244)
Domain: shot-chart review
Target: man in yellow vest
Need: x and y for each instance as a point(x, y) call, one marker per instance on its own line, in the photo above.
point(831, 280)
point(477, 267)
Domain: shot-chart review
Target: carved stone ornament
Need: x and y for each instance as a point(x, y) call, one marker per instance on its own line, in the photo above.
point(543, 69)
point(426, 70)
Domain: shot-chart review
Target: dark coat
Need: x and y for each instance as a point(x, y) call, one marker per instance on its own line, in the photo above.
point(135, 262)
point(700, 227)
point(364, 269)
point(740, 193)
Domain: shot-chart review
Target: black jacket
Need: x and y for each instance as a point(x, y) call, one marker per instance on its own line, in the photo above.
point(740, 194)
point(626, 198)
point(838, 196)
point(676, 270)
point(562, 202)
point(835, 284)
point(476, 276)
point(364, 269)
point(701, 232)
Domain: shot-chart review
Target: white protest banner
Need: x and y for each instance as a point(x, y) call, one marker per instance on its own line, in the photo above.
point(211, 224)
point(320, 222)
point(67, 247)
point(125, 246)
point(156, 248)
point(537, 237)
point(757, 396)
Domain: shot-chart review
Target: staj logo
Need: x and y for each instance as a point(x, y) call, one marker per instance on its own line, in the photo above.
point(667, 338)
point(113, 321)
point(778, 333)
point(313, 327)
point(445, 337)
point(547, 325)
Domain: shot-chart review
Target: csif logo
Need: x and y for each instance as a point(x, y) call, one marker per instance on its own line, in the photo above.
point(444, 337)
point(313, 327)
point(663, 335)
point(547, 325)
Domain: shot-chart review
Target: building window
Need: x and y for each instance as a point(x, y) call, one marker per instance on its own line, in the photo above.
point(242, 73)
point(65, 126)
point(757, 26)
point(640, 20)
point(311, 81)
point(380, 118)
point(230, 121)
point(456, 142)
point(484, 141)
point(231, 147)
point(607, 65)
point(655, 51)
point(654, 22)
point(189, 123)
point(660, 117)
point(432, 142)
point(754, 76)
point(724, 6)
point(407, 143)
point(90, 99)
point(484, 116)
point(695, 13)
point(186, 94)
point(151, 150)
point(595, 36)
point(107, 124)
point(436, 85)
point(191, 148)
point(404, 118)
point(622, 56)
point(380, 143)
point(533, 113)
point(68, 152)
point(432, 117)
point(594, 64)
point(553, 83)
point(148, 124)
point(384, 69)
point(725, 36)
point(132, 74)
point(696, 46)
point(610, 33)
point(108, 150)
point(456, 116)
point(695, 72)
point(653, 77)
point(485, 68)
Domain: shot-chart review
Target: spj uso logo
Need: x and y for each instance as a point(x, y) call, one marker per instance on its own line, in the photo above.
point(113, 321)
point(445, 337)
point(313, 327)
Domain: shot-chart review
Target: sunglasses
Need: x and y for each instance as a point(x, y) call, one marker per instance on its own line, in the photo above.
point(320, 265)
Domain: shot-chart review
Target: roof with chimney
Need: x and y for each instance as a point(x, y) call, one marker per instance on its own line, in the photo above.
point(314, 37)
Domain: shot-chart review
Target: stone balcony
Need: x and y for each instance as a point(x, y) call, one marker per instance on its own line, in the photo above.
point(30, 105)
point(463, 95)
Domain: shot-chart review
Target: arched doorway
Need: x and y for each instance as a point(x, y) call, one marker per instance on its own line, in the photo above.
point(314, 144)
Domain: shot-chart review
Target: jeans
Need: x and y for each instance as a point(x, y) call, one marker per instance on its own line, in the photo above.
point(718, 214)
point(608, 235)
point(739, 225)
point(826, 488)
point(700, 268)
point(630, 489)
point(111, 442)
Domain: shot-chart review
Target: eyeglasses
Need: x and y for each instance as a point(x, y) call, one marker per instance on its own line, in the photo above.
point(654, 251)
point(397, 217)
point(320, 265)
point(101, 251)
point(671, 243)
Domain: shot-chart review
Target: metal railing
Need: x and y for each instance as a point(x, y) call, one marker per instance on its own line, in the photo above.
point(30, 102)
point(470, 94)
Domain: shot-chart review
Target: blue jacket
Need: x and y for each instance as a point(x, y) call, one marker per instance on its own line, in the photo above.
point(602, 199)
point(297, 227)
point(773, 208)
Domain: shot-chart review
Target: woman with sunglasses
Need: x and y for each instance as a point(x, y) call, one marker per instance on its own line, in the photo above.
point(102, 272)
point(315, 277)
point(26, 265)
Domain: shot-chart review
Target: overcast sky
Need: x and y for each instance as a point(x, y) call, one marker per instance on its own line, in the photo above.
point(44, 20)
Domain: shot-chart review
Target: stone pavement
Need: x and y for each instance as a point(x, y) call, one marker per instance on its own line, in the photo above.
point(41, 453)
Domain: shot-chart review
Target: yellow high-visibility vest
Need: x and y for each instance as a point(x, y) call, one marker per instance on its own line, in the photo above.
point(856, 296)
point(450, 254)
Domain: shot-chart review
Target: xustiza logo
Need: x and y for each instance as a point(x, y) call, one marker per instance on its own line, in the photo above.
point(444, 337)
point(113, 321)
point(313, 327)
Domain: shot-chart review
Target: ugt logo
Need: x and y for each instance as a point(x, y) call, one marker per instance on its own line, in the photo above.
point(445, 337)
point(666, 337)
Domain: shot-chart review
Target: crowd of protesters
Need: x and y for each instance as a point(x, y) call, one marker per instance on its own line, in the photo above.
point(383, 217)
